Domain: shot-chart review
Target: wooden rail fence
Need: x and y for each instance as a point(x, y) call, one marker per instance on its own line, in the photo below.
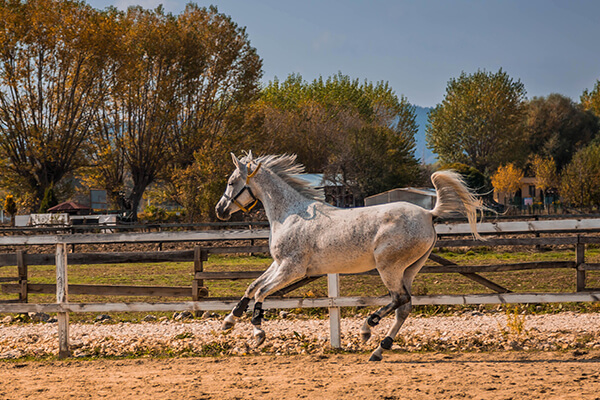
point(565, 233)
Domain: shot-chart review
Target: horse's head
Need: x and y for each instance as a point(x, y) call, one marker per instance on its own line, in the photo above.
point(238, 195)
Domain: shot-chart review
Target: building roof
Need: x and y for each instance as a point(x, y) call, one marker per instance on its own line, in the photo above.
point(424, 197)
point(68, 206)
point(317, 180)
point(421, 191)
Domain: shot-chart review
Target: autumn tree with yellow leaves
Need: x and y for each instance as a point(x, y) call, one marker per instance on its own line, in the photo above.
point(507, 179)
point(52, 54)
point(172, 84)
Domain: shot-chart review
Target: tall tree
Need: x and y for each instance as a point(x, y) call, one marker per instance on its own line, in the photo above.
point(220, 74)
point(51, 58)
point(379, 155)
point(556, 127)
point(174, 83)
point(580, 179)
point(136, 117)
point(359, 133)
point(478, 122)
point(106, 152)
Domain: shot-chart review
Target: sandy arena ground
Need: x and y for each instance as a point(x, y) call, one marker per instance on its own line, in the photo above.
point(472, 356)
point(497, 375)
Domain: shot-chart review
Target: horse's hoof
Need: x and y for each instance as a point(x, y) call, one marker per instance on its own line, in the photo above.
point(227, 326)
point(375, 357)
point(365, 336)
point(228, 323)
point(259, 338)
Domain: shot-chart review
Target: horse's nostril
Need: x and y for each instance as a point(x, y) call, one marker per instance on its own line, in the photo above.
point(221, 213)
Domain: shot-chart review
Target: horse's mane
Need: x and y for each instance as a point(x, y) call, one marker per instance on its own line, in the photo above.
point(286, 167)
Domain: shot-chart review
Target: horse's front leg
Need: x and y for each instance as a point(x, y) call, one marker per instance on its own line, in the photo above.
point(280, 278)
point(242, 305)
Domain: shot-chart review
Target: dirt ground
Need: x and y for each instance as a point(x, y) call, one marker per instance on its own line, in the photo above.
point(502, 375)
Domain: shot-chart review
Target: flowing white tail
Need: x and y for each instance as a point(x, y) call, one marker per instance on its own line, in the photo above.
point(453, 195)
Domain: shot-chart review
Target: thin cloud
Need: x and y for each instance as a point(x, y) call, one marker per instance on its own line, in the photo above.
point(327, 41)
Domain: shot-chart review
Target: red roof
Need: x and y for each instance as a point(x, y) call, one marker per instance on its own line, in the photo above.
point(68, 206)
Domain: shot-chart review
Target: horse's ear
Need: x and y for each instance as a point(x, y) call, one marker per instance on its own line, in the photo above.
point(236, 162)
point(250, 158)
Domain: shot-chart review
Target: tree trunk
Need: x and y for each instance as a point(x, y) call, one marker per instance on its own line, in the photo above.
point(139, 187)
point(544, 201)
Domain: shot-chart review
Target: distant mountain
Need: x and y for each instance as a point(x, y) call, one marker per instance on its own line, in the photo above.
point(422, 152)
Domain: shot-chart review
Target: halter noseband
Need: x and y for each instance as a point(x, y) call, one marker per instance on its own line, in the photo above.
point(246, 189)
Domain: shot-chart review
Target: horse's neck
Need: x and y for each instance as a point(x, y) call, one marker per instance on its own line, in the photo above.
point(278, 198)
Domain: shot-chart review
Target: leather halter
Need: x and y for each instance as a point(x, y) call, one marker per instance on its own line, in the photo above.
point(248, 205)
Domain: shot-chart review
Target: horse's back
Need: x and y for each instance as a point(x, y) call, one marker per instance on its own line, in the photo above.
point(335, 239)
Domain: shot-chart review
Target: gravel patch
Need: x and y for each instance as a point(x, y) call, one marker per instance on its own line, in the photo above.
point(301, 335)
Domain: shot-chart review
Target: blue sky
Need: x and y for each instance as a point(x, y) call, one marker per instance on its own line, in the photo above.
point(417, 46)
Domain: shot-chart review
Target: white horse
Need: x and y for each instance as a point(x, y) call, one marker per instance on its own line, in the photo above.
point(310, 237)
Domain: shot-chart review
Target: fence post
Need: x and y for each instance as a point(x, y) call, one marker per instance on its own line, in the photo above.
point(333, 288)
point(62, 290)
point(200, 256)
point(579, 261)
point(22, 269)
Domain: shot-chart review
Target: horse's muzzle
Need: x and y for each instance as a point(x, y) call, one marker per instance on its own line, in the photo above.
point(222, 211)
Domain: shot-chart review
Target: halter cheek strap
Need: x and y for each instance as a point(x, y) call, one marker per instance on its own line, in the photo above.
point(245, 208)
point(253, 173)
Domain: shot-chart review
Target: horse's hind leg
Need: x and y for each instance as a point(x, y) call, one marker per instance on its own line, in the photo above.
point(386, 344)
point(399, 298)
point(398, 280)
point(399, 283)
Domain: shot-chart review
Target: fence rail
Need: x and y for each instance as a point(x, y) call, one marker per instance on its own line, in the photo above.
point(160, 226)
point(569, 232)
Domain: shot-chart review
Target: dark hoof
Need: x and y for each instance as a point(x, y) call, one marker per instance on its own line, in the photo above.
point(375, 357)
point(259, 338)
point(227, 326)
point(365, 336)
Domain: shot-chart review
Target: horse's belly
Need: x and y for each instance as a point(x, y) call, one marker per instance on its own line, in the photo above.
point(348, 263)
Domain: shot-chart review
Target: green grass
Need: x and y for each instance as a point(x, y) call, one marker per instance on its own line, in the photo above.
point(180, 274)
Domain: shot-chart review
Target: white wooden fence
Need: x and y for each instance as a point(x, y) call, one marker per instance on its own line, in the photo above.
point(63, 307)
